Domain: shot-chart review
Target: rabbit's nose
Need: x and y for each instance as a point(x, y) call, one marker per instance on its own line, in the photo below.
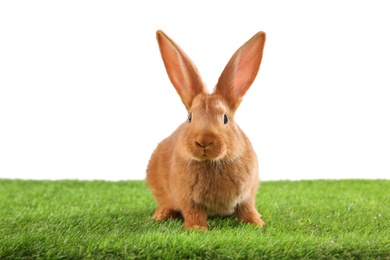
point(203, 145)
point(205, 140)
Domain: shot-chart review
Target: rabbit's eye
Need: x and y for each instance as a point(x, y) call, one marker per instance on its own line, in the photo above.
point(189, 117)
point(225, 119)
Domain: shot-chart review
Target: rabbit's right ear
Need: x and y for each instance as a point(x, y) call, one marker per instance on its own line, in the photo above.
point(181, 71)
point(241, 71)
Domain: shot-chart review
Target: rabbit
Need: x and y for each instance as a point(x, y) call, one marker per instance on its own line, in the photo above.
point(207, 167)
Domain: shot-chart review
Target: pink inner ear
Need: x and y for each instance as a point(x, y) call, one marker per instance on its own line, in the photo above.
point(181, 71)
point(246, 68)
point(174, 65)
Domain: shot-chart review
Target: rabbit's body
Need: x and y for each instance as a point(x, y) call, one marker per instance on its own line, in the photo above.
point(218, 186)
point(207, 167)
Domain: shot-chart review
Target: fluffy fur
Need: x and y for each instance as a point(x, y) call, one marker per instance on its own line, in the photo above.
point(207, 167)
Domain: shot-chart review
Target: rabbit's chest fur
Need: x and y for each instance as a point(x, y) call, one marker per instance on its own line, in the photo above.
point(220, 187)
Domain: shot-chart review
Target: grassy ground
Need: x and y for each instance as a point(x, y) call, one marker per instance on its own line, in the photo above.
point(107, 220)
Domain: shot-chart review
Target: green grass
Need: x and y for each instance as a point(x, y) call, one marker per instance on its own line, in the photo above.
point(108, 220)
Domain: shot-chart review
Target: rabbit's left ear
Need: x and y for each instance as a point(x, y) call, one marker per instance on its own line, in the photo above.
point(181, 71)
point(241, 71)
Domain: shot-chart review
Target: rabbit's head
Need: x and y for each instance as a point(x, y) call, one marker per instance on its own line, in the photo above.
point(210, 133)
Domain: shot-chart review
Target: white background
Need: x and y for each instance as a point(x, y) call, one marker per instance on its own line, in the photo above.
point(84, 94)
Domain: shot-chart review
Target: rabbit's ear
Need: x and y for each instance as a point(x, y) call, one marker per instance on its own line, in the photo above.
point(241, 71)
point(181, 71)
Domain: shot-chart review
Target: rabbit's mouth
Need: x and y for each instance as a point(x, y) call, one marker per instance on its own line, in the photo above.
point(207, 157)
point(211, 152)
point(206, 147)
point(204, 155)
